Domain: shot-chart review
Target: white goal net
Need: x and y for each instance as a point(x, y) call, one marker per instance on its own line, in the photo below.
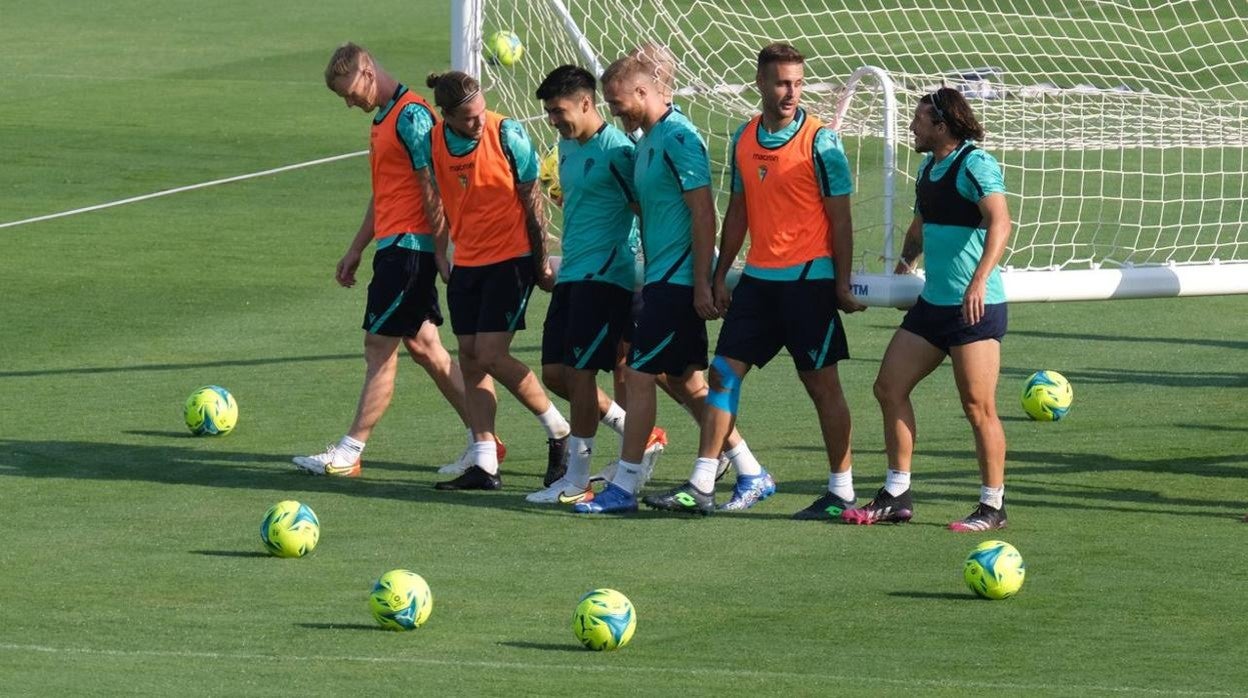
point(1121, 125)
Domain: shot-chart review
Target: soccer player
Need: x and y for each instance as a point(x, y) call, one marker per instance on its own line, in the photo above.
point(663, 64)
point(791, 186)
point(671, 176)
point(486, 173)
point(961, 225)
point(402, 299)
point(590, 305)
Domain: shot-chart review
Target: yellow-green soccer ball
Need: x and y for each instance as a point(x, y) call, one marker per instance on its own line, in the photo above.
point(1047, 396)
point(994, 570)
point(290, 529)
point(548, 175)
point(604, 620)
point(211, 411)
point(503, 48)
point(401, 600)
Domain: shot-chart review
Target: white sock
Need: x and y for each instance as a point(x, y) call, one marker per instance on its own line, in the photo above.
point(743, 460)
point(348, 450)
point(842, 484)
point(485, 456)
point(579, 451)
point(703, 476)
point(992, 496)
point(896, 482)
point(627, 475)
point(555, 425)
point(614, 418)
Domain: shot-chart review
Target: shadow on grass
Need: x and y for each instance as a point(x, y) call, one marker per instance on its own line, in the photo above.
point(934, 595)
point(1044, 479)
point(544, 646)
point(1114, 376)
point(1034, 479)
point(185, 461)
point(1085, 337)
point(340, 626)
point(231, 553)
point(1213, 427)
point(143, 368)
point(170, 434)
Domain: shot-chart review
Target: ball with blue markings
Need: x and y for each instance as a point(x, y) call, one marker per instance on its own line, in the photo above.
point(211, 411)
point(994, 570)
point(401, 600)
point(604, 620)
point(290, 529)
point(503, 48)
point(1047, 396)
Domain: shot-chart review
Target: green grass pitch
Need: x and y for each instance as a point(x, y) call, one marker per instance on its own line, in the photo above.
point(131, 562)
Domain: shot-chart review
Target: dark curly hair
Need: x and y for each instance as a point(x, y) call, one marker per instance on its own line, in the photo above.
point(951, 108)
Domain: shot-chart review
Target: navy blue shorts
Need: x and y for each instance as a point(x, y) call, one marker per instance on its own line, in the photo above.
point(584, 324)
point(943, 327)
point(800, 316)
point(491, 298)
point(670, 337)
point(402, 294)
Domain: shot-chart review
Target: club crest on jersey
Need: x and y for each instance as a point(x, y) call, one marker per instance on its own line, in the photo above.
point(762, 172)
point(463, 181)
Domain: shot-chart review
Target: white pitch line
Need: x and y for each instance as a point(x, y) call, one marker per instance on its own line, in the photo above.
point(177, 190)
point(683, 671)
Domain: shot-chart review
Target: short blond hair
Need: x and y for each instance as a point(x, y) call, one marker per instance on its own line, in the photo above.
point(661, 62)
point(344, 62)
point(625, 67)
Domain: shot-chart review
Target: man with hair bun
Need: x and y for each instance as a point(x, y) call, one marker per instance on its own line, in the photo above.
point(961, 226)
point(486, 171)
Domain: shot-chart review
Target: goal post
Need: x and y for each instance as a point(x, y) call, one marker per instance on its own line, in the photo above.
point(1121, 125)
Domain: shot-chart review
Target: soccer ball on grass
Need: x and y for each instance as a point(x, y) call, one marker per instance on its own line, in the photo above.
point(290, 529)
point(604, 620)
point(211, 411)
point(1047, 396)
point(994, 570)
point(401, 600)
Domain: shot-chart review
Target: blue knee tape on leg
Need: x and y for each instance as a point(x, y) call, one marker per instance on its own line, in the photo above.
point(728, 395)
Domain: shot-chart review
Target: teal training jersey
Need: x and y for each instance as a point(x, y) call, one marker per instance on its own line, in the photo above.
point(413, 125)
point(598, 224)
point(515, 142)
point(671, 160)
point(834, 177)
point(952, 252)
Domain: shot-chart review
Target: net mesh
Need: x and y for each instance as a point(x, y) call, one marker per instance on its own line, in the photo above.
point(1120, 125)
